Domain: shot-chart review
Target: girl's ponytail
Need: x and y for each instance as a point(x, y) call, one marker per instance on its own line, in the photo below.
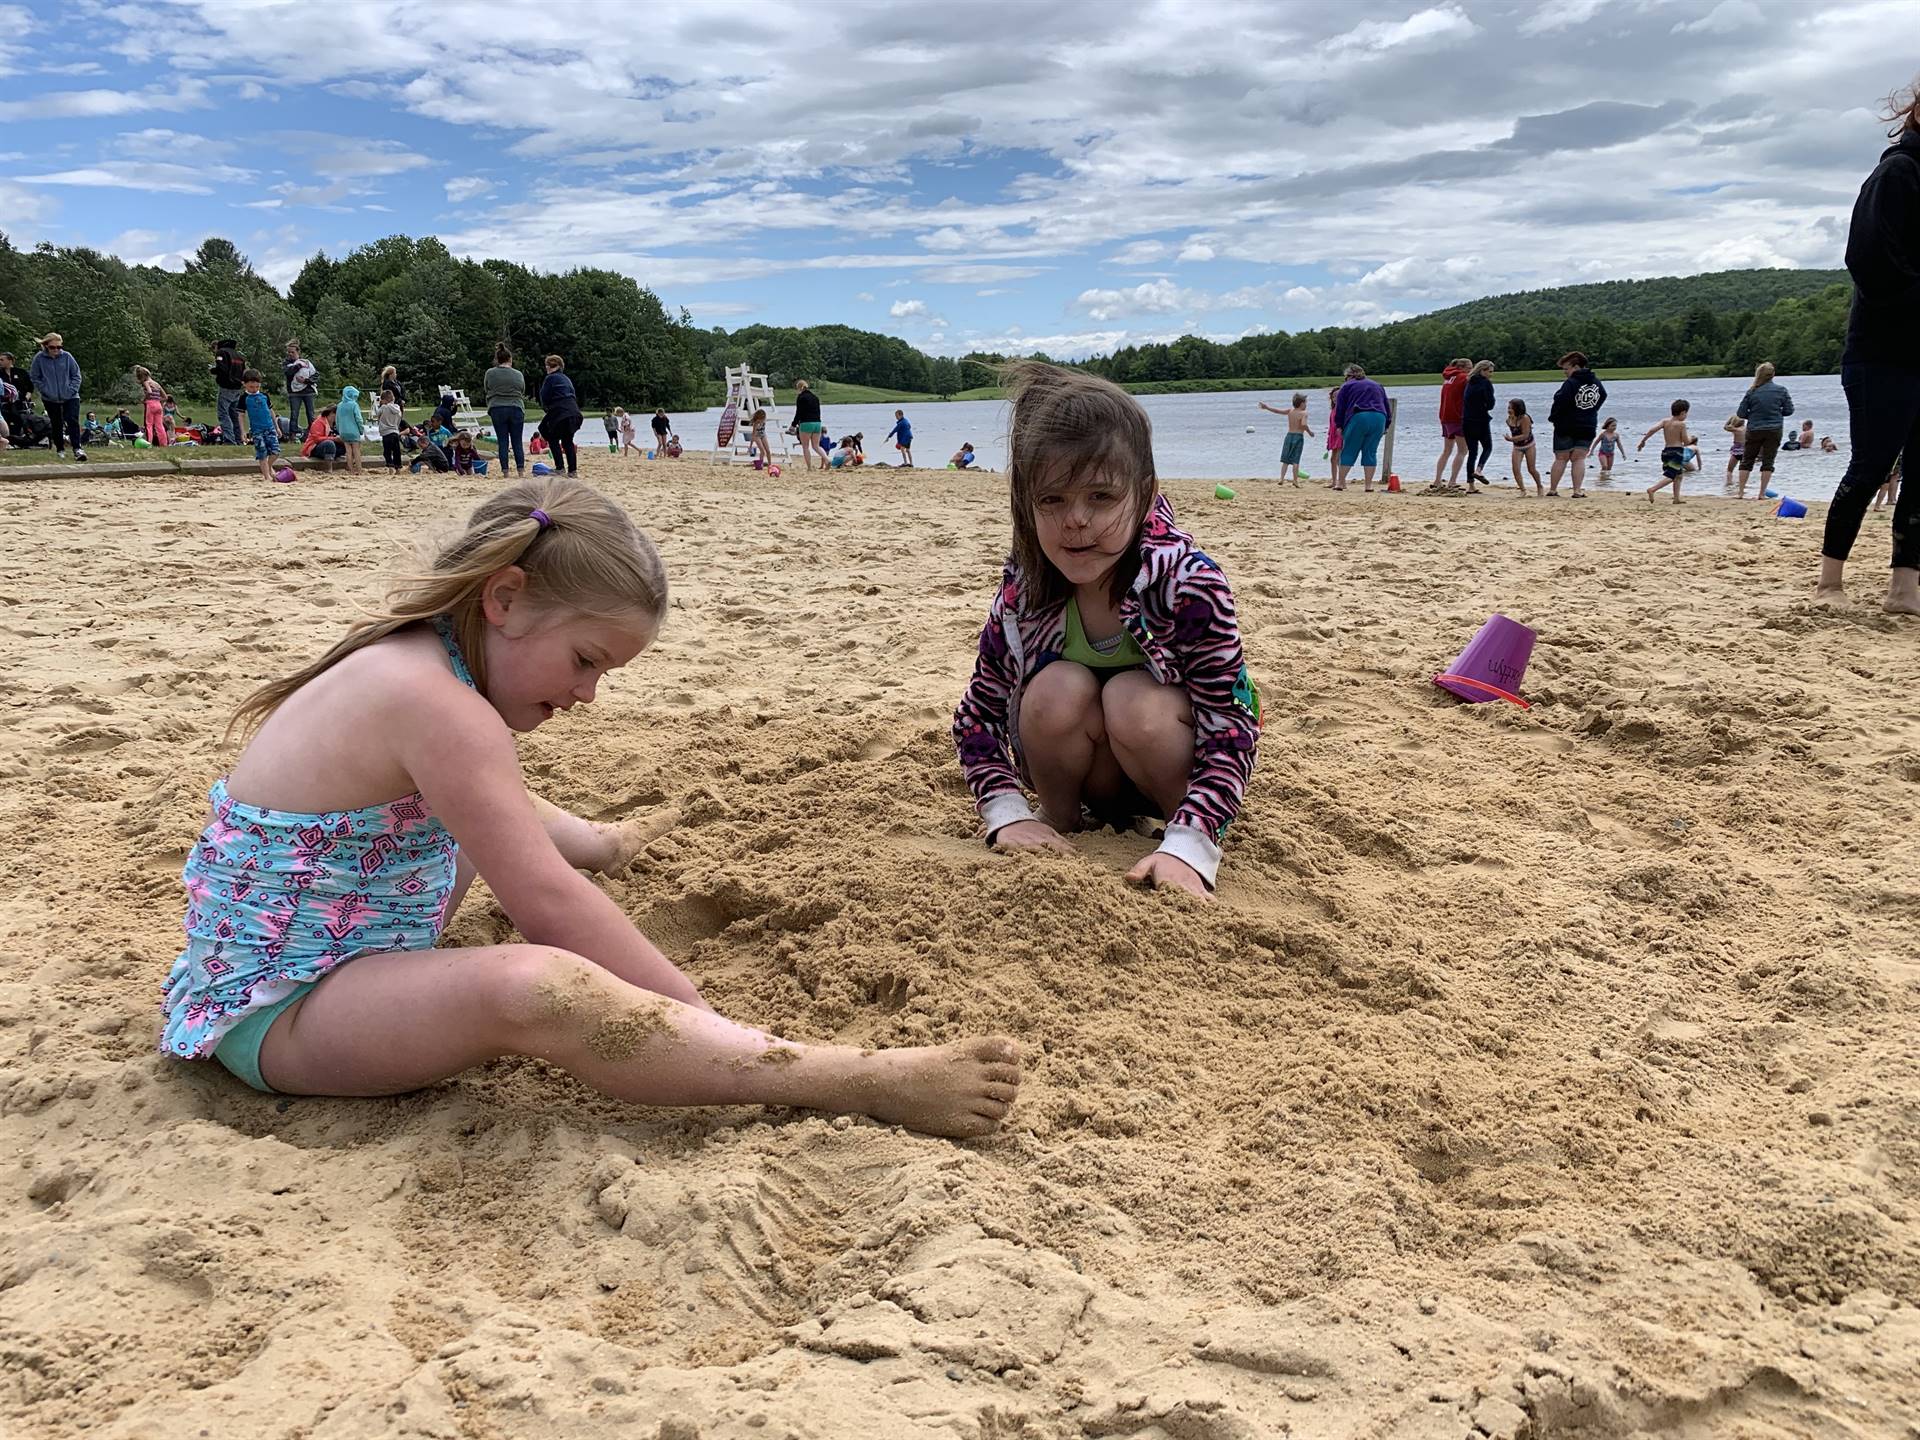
point(1762, 373)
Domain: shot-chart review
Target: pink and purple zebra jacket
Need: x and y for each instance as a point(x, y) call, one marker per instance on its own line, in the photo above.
point(1180, 612)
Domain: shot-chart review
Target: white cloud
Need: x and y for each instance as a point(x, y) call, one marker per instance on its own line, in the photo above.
point(73, 68)
point(1300, 295)
point(1729, 17)
point(142, 175)
point(1561, 15)
point(1416, 275)
point(903, 309)
point(1140, 252)
point(1195, 250)
point(978, 274)
point(1423, 28)
point(866, 295)
point(1154, 297)
point(16, 24)
point(183, 94)
point(468, 187)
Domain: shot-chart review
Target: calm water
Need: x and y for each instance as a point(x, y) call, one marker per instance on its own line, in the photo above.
point(1205, 436)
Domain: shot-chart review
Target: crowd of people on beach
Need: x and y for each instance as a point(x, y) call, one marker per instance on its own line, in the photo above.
point(332, 432)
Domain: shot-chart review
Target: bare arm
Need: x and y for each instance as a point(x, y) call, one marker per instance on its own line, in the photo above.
point(1649, 435)
point(458, 752)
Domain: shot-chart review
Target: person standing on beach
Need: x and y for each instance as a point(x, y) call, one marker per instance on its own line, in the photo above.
point(231, 395)
point(1360, 413)
point(662, 427)
point(303, 385)
point(1879, 365)
point(1476, 423)
point(1453, 442)
point(153, 396)
point(1575, 418)
point(806, 422)
point(505, 390)
point(562, 416)
point(902, 436)
point(1673, 449)
point(1333, 437)
point(56, 375)
point(390, 380)
point(1764, 410)
point(1295, 445)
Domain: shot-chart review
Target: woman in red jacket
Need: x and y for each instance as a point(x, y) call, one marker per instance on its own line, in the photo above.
point(1453, 443)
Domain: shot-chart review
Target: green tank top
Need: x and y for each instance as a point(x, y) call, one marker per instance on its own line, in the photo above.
point(1122, 652)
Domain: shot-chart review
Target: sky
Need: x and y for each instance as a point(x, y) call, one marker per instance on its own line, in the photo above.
point(998, 175)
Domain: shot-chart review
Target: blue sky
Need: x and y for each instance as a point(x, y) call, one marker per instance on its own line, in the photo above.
point(993, 174)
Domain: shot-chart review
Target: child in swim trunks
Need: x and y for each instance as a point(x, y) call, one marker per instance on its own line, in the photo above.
point(1673, 453)
point(1110, 673)
point(1737, 428)
point(1298, 429)
point(379, 780)
point(1605, 444)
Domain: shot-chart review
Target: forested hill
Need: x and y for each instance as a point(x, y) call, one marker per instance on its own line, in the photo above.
point(1639, 301)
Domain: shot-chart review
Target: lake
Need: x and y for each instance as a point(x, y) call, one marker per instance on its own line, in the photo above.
point(1205, 436)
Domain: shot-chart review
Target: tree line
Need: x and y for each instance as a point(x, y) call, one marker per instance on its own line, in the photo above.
point(409, 303)
point(398, 301)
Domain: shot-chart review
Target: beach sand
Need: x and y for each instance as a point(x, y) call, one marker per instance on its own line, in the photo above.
point(1545, 1072)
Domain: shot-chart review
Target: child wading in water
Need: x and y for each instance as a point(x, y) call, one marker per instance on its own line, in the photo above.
point(1525, 447)
point(379, 780)
point(1673, 452)
point(1110, 666)
point(1606, 444)
point(1298, 429)
point(1737, 428)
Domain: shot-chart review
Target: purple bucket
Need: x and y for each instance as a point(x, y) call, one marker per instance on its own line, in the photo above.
point(1491, 666)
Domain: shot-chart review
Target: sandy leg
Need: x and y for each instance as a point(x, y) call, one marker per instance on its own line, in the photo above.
point(1903, 593)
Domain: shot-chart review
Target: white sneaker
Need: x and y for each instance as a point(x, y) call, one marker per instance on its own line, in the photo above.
point(79, 454)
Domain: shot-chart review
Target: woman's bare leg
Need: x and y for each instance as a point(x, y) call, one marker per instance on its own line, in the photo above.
point(386, 1024)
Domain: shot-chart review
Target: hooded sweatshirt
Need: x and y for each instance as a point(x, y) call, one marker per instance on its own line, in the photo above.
point(348, 423)
point(1180, 613)
point(1453, 388)
point(1576, 405)
point(1883, 257)
point(1477, 407)
point(56, 377)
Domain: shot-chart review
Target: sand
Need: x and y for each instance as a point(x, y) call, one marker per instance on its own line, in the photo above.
point(1547, 1073)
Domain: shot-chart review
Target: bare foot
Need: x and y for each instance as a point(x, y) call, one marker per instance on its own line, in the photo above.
point(961, 1089)
point(1903, 593)
point(1650, 494)
point(1829, 595)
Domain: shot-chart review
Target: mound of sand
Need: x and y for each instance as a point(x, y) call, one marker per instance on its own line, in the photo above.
point(1534, 1073)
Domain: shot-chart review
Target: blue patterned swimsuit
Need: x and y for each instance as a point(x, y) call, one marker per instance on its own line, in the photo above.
point(277, 899)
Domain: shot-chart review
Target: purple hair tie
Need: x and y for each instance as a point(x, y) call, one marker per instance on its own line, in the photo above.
point(541, 516)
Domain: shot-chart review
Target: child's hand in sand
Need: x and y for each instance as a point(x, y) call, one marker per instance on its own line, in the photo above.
point(1161, 871)
point(1031, 835)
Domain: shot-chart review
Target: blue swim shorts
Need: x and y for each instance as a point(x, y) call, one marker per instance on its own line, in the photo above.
point(265, 443)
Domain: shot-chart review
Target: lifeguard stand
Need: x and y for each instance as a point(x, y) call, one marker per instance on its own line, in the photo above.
point(747, 391)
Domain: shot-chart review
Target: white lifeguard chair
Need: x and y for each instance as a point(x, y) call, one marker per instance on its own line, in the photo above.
point(747, 391)
point(465, 416)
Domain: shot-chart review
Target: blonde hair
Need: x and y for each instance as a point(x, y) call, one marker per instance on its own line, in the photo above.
point(1069, 427)
point(142, 374)
point(554, 362)
point(589, 558)
point(1485, 367)
point(1762, 373)
point(1463, 363)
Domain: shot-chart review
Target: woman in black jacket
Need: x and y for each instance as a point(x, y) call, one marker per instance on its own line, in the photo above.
point(1476, 422)
point(806, 420)
point(562, 417)
point(1879, 365)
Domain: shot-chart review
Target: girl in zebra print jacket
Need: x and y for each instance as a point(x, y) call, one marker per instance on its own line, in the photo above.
point(1110, 678)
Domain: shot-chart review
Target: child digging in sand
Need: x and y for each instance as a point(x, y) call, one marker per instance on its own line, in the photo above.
point(1110, 666)
point(1295, 444)
point(381, 778)
point(1673, 453)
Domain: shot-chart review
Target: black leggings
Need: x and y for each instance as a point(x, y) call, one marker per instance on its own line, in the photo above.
point(390, 449)
point(1479, 446)
point(1883, 418)
point(65, 415)
point(559, 430)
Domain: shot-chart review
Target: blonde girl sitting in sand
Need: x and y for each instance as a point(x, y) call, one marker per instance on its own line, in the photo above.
point(380, 779)
point(1110, 672)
